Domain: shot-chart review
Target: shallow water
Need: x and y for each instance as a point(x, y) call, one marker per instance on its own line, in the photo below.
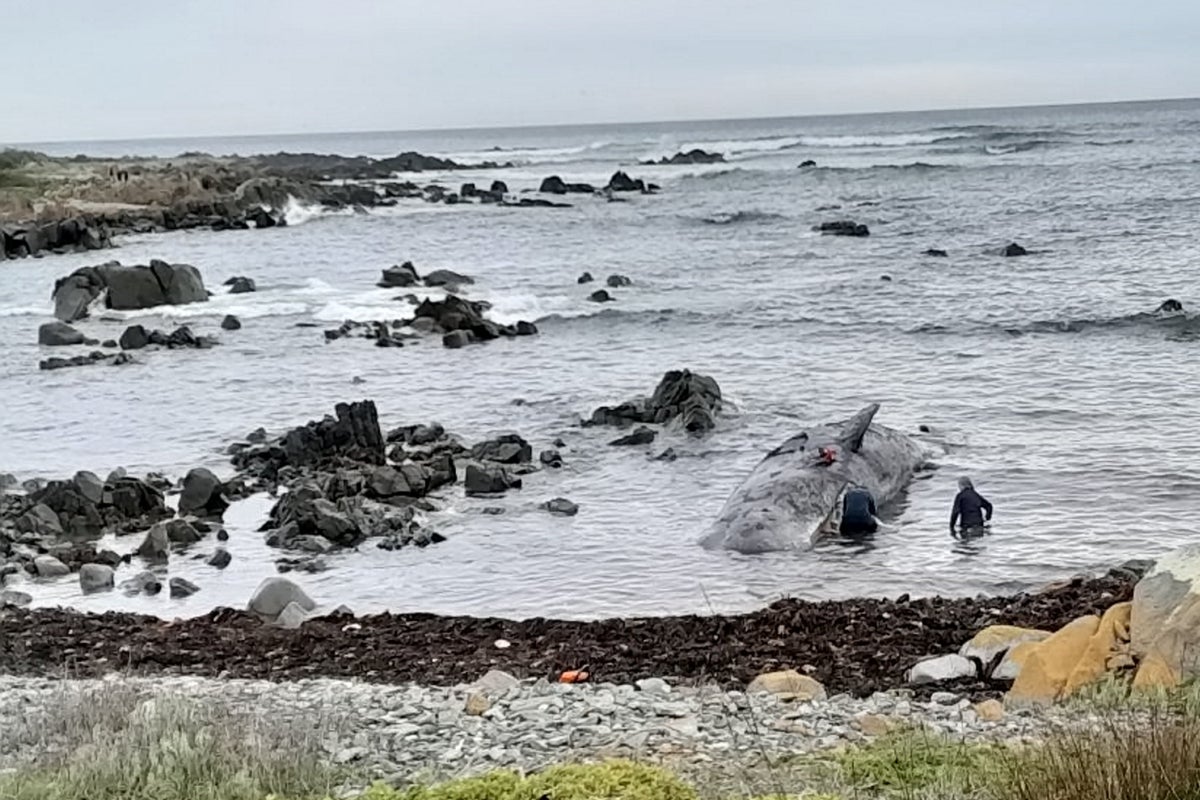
point(1074, 416)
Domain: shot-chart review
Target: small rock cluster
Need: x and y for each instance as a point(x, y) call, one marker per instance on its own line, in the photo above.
point(684, 398)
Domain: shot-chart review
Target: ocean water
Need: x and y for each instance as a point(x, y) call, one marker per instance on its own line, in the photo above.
point(1046, 378)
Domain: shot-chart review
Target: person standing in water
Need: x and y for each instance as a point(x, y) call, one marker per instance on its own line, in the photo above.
point(970, 507)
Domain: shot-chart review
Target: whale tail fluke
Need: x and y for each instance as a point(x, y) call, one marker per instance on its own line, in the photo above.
point(856, 428)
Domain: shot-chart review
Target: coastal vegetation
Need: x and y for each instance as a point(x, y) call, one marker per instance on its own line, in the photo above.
point(115, 742)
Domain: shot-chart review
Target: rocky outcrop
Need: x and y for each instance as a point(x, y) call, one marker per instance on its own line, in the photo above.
point(1013, 249)
point(508, 448)
point(600, 296)
point(618, 281)
point(488, 479)
point(231, 323)
point(1165, 620)
point(843, 228)
point(694, 156)
point(934, 252)
point(682, 397)
point(127, 288)
point(807, 163)
point(86, 506)
point(135, 337)
point(353, 434)
point(74, 234)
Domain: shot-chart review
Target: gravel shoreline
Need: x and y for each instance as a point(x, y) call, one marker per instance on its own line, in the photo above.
point(404, 733)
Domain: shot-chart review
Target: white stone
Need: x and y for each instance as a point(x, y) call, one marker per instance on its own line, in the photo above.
point(942, 668)
point(496, 682)
point(654, 686)
point(50, 567)
point(292, 616)
point(275, 594)
point(96, 578)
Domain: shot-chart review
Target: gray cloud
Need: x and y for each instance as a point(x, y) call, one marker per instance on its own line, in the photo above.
point(133, 68)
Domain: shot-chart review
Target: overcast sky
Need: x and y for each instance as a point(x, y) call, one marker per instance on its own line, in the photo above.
point(74, 70)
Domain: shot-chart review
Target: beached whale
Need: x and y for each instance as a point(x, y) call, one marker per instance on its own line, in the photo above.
point(793, 498)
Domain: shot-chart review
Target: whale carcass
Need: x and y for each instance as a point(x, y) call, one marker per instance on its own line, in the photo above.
point(793, 497)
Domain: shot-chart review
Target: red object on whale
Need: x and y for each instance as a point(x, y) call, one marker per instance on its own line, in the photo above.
point(828, 455)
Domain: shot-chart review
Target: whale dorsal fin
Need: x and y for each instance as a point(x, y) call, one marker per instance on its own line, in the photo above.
point(856, 428)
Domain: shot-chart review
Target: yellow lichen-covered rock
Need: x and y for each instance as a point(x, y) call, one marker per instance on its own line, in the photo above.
point(999, 639)
point(1111, 635)
point(788, 683)
point(1155, 673)
point(1176, 649)
point(1014, 659)
point(875, 724)
point(476, 704)
point(989, 710)
point(1051, 662)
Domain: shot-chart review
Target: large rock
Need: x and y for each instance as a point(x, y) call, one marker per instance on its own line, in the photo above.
point(95, 578)
point(59, 334)
point(508, 448)
point(135, 337)
point(50, 567)
point(483, 479)
point(789, 684)
point(399, 277)
point(273, 595)
point(446, 277)
point(156, 546)
point(353, 435)
point(556, 185)
point(1165, 619)
point(202, 494)
point(86, 506)
point(1051, 662)
point(685, 398)
point(241, 285)
point(1108, 644)
point(942, 668)
point(995, 640)
point(39, 520)
point(127, 288)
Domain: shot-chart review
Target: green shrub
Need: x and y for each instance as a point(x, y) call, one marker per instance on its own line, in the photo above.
point(613, 780)
point(115, 744)
point(910, 763)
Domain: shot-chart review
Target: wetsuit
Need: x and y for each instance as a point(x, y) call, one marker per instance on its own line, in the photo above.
point(970, 506)
point(858, 512)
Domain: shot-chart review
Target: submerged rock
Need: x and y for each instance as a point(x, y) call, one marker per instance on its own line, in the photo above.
point(600, 296)
point(400, 277)
point(59, 334)
point(1012, 250)
point(843, 228)
point(241, 285)
point(485, 479)
point(642, 435)
point(95, 578)
point(561, 507)
point(231, 323)
point(694, 156)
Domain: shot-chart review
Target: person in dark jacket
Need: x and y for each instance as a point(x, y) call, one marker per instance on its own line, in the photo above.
point(970, 507)
point(858, 512)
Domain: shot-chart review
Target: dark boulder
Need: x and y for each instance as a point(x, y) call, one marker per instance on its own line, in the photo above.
point(182, 587)
point(158, 284)
point(499, 187)
point(241, 285)
point(482, 479)
point(600, 296)
point(556, 185)
point(807, 163)
point(561, 507)
point(220, 558)
point(1171, 306)
point(617, 281)
point(58, 334)
point(843, 228)
point(445, 277)
point(936, 253)
point(399, 277)
point(203, 494)
point(621, 182)
point(135, 337)
point(642, 435)
point(585, 278)
point(74, 293)
point(231, 323)
point(551, 458)
point(508, 448)
point(457, 339)
point(526, 328)
point(1013, 249)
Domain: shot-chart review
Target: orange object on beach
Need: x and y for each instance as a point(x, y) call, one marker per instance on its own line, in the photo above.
point(573, 676)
